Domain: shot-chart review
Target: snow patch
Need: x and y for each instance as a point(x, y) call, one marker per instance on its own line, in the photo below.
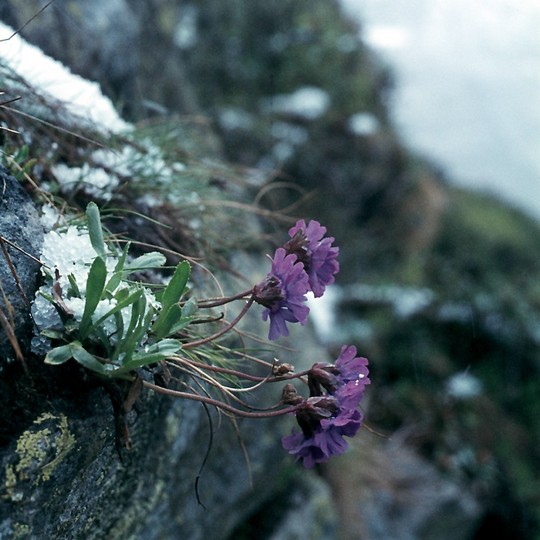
point(363, 124)
point(463, 386)
point(307, 102)
point(81, 97)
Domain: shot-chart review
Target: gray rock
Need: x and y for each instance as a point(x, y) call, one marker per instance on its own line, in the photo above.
point(386, 491)
point(311, 512)
point(20, 226)
point(63, 478)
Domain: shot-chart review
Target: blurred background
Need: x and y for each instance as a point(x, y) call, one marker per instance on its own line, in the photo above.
point(468, 75)
point(411, 130)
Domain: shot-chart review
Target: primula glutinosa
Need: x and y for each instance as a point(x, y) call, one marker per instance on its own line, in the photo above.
point(306, 263)
point(282, 293)
point(325, 438)
point(93, 313)
point(315, 252)
point(331, 412)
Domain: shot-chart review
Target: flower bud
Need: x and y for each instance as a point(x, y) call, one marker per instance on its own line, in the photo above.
point(311, 411)
point(298, 245)
point(322, 375)
point(290, 396)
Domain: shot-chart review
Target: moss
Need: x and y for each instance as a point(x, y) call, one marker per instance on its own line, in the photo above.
point(493, 220)
point(39, 450)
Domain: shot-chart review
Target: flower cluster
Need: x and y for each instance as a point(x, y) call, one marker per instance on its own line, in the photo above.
point(91, 311)
point(331, 412)
point(306, 263)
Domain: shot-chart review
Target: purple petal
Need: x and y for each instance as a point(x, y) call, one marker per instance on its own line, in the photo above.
point(319, 256)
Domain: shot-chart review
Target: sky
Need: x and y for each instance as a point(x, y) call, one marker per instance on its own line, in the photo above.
point(468, 86)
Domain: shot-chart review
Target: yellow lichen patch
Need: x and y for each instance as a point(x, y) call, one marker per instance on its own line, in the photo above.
point(38, 452)
point(20, 531)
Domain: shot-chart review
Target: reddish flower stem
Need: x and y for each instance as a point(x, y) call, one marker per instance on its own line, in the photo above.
point(241, 374)
point(225, 329)
point(217, 403)
point(215, 302)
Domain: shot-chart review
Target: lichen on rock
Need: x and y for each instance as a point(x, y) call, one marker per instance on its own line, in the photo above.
point(39, 450)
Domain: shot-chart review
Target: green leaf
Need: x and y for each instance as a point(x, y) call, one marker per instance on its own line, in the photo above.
point(190, 307)
point(47, 296)
point(174, 290)
point(94, 290)
point(59, 355)
point(136, 329)
point(138, 335)
point(180, 324)
point(170, 311)
point(124, 302)
point(73, 285)
point(165, 321)
point(118, 274)
point(148, 260)
point(95, 230)
point(51, 334)
point(89, 361)
point(27, 167)
point(100, 336)
point(121, 294)
point(155, 353)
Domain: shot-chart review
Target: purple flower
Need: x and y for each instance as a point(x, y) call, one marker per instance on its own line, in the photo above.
point(345, 380)
point(321, 438)
point(353, 377)
point(315, 252)
point(331, 412)
point(282, 293)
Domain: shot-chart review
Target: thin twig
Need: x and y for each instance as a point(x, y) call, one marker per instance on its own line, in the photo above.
point(13, 271)
point(12, 338)
point(35, 259)
point(53, 126)
point(45, 194)
point(207, 454)
point(28, 21)
point(12, 100)
point(199, 374)
point(241, 374)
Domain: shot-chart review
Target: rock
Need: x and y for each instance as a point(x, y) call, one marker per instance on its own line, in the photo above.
point(393, 493)
point(20, 226)
point(311, 512)
point(62, 476)
point(129, 48)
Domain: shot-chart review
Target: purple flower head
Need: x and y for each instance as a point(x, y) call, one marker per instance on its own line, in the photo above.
point(350, 367)
point(331, 412)
point(324, 439)
point(282, 293)
point(346, 379)
point(315, 252)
